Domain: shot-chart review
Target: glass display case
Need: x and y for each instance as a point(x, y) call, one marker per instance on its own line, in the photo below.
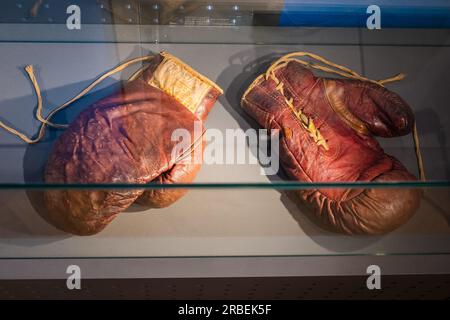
point(238, 206)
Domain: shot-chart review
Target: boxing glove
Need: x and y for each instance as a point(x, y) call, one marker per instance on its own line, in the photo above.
point(327, 128)
point(127, 138)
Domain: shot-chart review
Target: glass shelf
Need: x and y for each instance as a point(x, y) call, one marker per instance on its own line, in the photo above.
point(217, 222)
point(230, 209)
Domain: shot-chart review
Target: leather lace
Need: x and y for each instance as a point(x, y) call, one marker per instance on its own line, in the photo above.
point(45, 121)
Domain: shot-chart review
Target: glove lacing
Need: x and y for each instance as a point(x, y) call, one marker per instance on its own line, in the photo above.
point(329, 67)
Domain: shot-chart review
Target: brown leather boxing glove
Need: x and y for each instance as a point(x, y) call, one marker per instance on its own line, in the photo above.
point(327, 135)
point(126, 138)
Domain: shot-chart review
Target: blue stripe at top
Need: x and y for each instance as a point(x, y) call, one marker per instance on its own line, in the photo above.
point(394, 14)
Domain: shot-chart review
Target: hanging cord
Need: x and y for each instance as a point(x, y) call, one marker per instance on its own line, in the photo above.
point(46, 121)
point(137, 73)
point(418, 153)
point(337, 69)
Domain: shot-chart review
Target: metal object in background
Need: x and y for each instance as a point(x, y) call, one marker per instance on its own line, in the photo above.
point(308, 13)
point(143, 12)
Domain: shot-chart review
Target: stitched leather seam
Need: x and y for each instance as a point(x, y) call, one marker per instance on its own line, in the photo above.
point(275, 98)
point(284, 141)
point(294, 157)
point(302, 99)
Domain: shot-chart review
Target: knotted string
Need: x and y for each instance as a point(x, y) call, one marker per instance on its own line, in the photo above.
point(46, 121)
point(330, 67)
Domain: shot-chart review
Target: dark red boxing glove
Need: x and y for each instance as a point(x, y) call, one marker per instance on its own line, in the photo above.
point(327, 135)
point(127, 138)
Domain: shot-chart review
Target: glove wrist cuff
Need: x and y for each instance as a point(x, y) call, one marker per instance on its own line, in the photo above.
point(193, 90)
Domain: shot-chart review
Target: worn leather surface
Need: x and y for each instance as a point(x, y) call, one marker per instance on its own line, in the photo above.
point(348, 113)
point(123, 138)
point(183, 172)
